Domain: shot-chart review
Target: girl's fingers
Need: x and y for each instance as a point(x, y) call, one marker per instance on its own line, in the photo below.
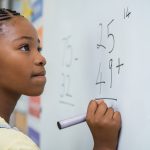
point(110, 113)
point(98, 110)
point(100, 101)
point(101, 110)
point(91, 109)
point(117, 119)
point(117, 116)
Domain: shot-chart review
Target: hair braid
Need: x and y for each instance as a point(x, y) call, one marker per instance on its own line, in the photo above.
point(6, 14)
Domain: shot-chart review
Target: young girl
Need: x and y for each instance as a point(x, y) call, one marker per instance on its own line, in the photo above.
point(22, 72)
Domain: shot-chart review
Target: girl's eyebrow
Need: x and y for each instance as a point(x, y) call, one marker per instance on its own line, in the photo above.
point(27, 38)
point(24, 37)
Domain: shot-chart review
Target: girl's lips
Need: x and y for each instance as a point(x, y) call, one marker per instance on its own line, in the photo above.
point(40, 73)
point(39, 78)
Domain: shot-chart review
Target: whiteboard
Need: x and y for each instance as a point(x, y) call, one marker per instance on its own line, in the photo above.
point(96, 49)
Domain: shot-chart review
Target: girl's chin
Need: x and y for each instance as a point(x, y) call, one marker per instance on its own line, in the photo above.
point(34, 93)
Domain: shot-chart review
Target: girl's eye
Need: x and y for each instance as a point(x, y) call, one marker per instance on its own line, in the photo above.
point(39, 49)
point(25, 47)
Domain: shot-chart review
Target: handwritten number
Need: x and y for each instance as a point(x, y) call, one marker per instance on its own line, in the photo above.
point(110, 35)
point(66, 81)
point(68, 54)
point(101, 36)
point(62, 86)
point(68, 86)
point(99, 79)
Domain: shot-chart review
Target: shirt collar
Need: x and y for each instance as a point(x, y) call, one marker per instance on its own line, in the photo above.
point(3, 123)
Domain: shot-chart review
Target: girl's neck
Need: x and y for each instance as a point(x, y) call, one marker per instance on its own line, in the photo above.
point(7, 103)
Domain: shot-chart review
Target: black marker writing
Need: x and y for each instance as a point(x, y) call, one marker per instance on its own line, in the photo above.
point(127, 13)
point(111, 35)
point(99, 79)
point(104, 98)
point(111, 71)
point(68, 86)
point(119, 65)
point(68, 54)
point(101, 35)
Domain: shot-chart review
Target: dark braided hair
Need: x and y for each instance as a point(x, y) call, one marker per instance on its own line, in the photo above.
point(6, 14)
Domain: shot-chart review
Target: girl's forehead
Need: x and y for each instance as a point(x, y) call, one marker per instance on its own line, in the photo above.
point(18, 26)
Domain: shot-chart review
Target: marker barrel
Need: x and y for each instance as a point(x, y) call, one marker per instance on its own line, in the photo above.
point(71, 121)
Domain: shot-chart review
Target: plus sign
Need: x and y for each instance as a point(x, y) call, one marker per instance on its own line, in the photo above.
point(119, 65)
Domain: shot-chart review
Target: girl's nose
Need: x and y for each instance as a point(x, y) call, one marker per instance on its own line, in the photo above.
point(43, 61)
point(40, 60)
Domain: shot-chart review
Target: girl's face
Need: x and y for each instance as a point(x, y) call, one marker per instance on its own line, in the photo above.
point(21, 63)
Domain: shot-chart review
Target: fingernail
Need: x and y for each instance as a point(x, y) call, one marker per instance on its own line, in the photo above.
point(100, 101)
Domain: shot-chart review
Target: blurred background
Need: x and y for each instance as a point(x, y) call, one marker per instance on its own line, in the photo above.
point(26, 116)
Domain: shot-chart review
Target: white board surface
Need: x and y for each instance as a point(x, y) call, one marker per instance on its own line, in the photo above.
point(96, 49)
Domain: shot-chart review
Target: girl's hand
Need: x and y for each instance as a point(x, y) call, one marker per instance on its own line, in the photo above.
point(104, 124)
